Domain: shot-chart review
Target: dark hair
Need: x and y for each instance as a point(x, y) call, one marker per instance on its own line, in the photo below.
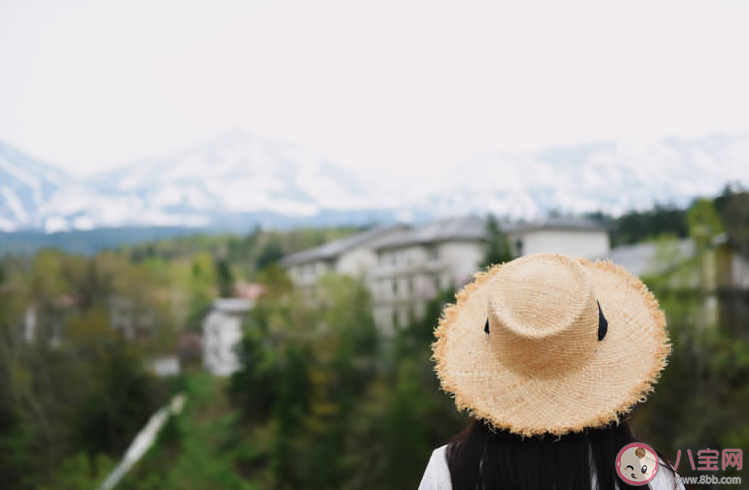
point(482, 459)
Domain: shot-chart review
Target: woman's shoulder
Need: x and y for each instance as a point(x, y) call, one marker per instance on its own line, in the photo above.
point(437, 474)
point(440, 452)
point(665, 478)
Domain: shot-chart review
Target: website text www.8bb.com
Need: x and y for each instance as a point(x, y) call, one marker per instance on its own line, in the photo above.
point(708, 480)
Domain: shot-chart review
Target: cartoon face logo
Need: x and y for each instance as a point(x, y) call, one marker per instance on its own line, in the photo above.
point(636, 464)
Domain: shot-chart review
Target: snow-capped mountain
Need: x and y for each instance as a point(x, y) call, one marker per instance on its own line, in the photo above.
point(240, 179)
point(25, 186)
point(608, 177)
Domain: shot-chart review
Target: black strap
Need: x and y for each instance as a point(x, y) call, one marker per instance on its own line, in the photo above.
point(603, 324)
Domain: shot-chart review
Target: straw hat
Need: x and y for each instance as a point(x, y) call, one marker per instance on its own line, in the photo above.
point(547, 344)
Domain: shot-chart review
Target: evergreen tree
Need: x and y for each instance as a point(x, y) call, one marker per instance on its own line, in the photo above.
point(225, 278)
point(271, 253)
point(704, 222)
point(497, 246)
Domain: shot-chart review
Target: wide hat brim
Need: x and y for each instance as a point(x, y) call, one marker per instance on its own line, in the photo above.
point(620, 373)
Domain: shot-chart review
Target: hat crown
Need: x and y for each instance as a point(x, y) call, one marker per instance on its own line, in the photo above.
point(543, 314)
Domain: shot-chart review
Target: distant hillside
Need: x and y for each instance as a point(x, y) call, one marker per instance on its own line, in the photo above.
point(85, 242)
point(253, 245)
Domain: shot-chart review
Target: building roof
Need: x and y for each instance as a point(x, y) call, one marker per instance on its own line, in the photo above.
point(474, 228)
point(331, 250)
point(641, 258)
point(465, 228)
point(232, 305)
point(249, 291)
point(555, 223)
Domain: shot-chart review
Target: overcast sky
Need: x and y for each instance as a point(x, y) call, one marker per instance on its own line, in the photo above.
point(92, 84)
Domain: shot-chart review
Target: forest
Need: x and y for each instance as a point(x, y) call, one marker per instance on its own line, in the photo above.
point(323, 400)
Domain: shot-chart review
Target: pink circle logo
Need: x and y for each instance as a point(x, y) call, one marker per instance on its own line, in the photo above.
point(637, 464)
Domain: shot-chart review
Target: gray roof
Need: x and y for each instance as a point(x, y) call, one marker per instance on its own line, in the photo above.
point(463, 228)
point(466, 228)
point(331, 250)
point(474, 228)
point(640, 258)
point(556, 223)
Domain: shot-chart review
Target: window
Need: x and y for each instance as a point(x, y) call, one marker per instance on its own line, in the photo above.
point(518, 247)
point(395, 287)
point(434, 253)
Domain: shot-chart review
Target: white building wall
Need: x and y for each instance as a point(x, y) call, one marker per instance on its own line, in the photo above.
point(576, 243)
point(308, 273)
point(463, 261)
point(165, 366)
point(406, 278)
point(221, 333)
point(29, 325)
point(356, 263)
point(400, 259)
point(740, 272)
point(394, 273)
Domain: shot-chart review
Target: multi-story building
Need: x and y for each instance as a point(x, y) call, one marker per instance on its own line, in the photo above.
point(405, 267)
point(353, 255)
point(414, 265)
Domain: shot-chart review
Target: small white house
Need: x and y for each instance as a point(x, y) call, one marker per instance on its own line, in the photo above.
point(222, 331)
point(165, 366)
point(570, 236)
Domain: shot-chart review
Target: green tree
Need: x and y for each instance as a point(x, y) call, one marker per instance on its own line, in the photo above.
point(79, 471)
point(71, 385)
point(225, 278)
point(305, 366)
point(639, 226)
point(497, 247)
point(733, 208)
point(271, 253)
point(704, 222)
point(403, 415)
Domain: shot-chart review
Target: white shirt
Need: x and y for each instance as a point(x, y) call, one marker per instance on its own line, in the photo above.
point(437, 475)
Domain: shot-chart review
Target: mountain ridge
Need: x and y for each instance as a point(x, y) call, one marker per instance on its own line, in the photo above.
point(240, 179)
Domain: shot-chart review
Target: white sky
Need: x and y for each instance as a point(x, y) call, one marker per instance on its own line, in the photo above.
point(92, 84)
